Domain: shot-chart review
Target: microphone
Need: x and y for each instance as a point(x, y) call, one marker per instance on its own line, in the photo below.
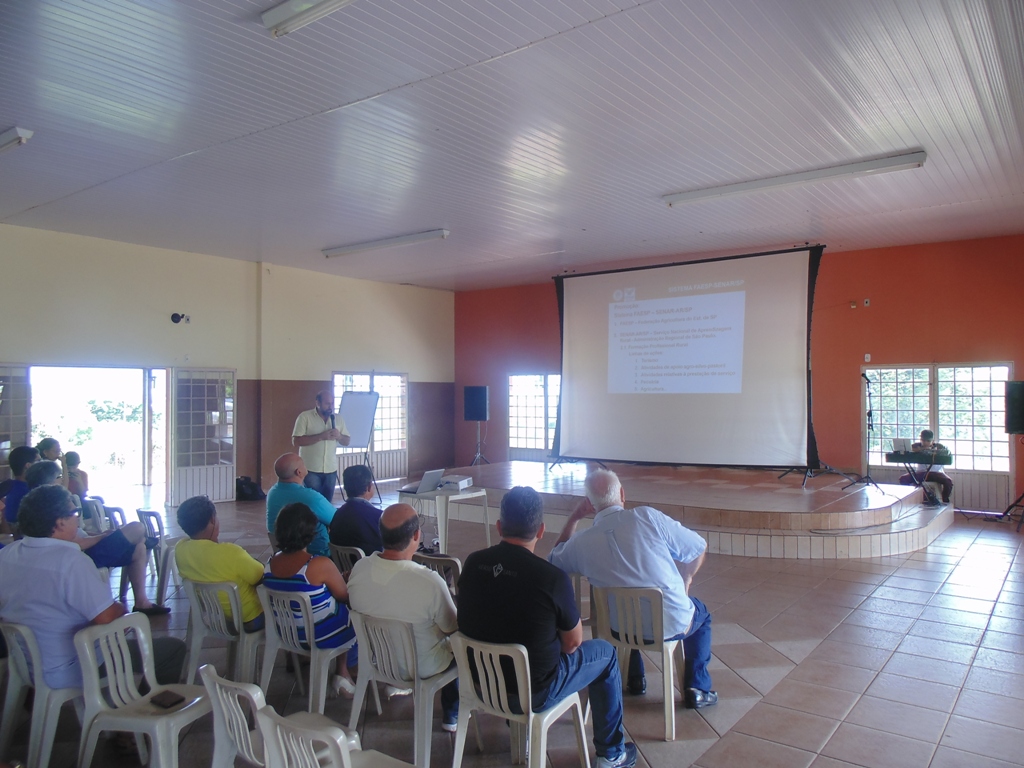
point(332, 420)
point(865, 377)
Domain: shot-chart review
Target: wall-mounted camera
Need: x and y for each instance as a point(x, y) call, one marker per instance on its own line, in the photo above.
point(178, 317)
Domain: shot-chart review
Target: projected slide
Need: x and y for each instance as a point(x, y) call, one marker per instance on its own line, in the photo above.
point(697, 363)
point(689, 344)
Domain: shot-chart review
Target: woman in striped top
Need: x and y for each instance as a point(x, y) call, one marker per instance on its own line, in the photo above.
point(293, 569)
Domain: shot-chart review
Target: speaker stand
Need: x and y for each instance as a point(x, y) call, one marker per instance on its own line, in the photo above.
point(479, 457)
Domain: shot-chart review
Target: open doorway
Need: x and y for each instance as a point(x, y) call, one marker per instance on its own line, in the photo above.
point(115, 419)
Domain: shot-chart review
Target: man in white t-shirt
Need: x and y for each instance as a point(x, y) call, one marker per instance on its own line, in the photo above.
point(388, 585)
point(316, 434)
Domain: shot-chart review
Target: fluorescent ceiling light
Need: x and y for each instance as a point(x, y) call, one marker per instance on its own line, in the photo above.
point(14, 138)
point(846, 171)
point(295, 14)
point(387, 242)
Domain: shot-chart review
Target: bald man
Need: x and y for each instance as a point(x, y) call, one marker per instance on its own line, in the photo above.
point(389, 585)
point(316, 434)
point(642, 547)
point(289, 488)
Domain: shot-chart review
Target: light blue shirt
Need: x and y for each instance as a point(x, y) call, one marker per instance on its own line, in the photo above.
point(283, 494)
point(635, 548)
point(52, 587)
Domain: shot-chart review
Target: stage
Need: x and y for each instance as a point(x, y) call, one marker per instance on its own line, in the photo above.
point(738, 511)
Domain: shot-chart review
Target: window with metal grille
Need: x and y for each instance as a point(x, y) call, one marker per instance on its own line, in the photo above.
point(390, 426)
point(533, 410)
point(964, 405)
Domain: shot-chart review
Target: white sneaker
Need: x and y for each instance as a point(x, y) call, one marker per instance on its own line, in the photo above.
point(627, 760)
point(390, 691)
point(342, 686)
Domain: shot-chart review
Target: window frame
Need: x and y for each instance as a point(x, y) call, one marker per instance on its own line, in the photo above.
point(944, 422)
point(380, 427)
point(545, 412)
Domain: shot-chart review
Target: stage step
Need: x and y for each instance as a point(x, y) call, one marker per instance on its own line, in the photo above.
point(913, 531)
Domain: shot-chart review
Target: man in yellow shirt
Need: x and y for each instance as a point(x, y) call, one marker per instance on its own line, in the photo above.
point(317, 434)
point(203, 558)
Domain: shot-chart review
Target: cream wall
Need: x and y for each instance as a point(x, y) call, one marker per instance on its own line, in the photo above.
point(313, 324)
point(74, 300)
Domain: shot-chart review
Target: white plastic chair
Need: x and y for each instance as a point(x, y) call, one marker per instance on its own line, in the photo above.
point(208, 619)
point(345, 557)
point(639, 613)
point(98, 519)
point(447, 567)
point(283, 634)
point(114, 703)
point(154, 525)
point(388, 654)
point(233, 706)
point(289, 744)
point(24, 660)
point(489, 694)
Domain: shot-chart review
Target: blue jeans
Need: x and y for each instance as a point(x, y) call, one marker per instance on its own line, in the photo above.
point(595, 665)
point(696, 647)
point(322, 482)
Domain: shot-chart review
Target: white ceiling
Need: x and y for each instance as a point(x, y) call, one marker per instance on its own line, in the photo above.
point(541, 133)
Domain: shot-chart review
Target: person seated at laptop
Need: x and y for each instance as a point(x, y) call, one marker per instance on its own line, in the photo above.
point(124, 547)
point(926, 473)
point(357, 521)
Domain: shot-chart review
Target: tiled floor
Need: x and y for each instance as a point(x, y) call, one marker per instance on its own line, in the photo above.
point(915, 660)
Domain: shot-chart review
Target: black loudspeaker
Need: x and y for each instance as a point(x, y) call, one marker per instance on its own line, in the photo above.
point(477, 405)
point(1015, 407)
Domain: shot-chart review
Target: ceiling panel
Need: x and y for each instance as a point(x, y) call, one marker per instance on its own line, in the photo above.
point(541, 134)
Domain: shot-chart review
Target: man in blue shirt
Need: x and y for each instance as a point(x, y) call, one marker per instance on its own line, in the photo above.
point(291, 471)
point(357, 521)
point(640, 548)
point(19, 460)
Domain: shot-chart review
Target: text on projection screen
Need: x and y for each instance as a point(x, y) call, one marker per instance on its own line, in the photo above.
point(703, 363)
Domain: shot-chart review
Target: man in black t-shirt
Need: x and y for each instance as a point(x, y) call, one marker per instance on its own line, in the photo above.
point(507, 594)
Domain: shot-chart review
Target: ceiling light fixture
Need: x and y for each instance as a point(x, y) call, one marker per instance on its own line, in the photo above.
point(15, 137)
point(387, 242)
point(295, 14)
point(845, 171)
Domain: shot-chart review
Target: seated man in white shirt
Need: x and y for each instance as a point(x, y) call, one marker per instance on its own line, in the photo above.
point(389, 585)
point(640, 548)
point(125, 547)
point(48, 584)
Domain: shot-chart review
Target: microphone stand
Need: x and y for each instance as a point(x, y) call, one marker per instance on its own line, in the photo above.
point(866, 478)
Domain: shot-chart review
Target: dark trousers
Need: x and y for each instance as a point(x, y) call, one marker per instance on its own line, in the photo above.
point(323, 483)
point(941, 478)
point(696, 649)
point(450, 701)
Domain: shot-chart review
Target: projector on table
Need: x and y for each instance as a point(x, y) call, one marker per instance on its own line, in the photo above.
point(455, 482)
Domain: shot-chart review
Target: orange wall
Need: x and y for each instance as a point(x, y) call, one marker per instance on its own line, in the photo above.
point(955, 302)
point(497, 333)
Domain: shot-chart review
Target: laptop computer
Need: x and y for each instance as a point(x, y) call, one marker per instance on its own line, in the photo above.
point(429, 482)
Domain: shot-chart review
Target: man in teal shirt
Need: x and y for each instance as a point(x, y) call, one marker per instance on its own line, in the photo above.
point(291, 471)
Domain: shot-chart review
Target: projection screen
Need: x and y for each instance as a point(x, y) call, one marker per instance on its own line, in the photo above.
point(697, 363)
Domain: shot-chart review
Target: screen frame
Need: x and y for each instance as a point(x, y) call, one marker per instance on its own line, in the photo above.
point(812, 460)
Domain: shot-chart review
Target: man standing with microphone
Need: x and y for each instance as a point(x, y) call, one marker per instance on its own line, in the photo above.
point(316, 433)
